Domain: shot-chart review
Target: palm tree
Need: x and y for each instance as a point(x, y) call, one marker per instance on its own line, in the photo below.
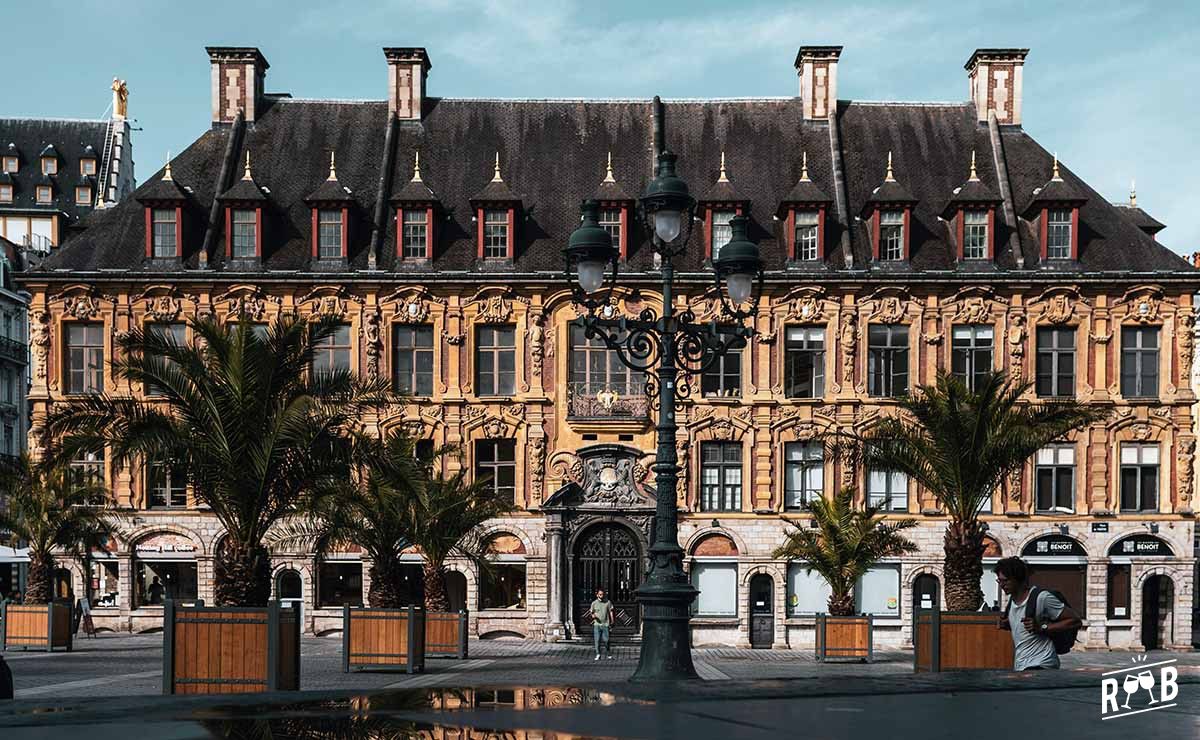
point(241, 413)
point(845, 544)
point(49, 507)
point(372, 512)
point(961, 445)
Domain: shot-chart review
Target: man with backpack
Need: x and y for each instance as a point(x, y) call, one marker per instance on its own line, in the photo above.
point(1042, 623)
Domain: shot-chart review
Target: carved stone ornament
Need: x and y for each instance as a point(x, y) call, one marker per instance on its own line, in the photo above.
point(454, 340)
point(1141, 432)
point(495, 428)
point(537, 345)
point(330, 305)
point(1186, 319)
point(253, 307)
point(415, 428)
point(849, 342)
point(39, 337)
point(414, 311)
point(888, 309)
point(371, 332)
point(1185, 457)
point(1145, 309)
point(1016, 342)
point(81, 307)
point(496, 310)
point(1060, 308)
point(163, 308)
point(972, 310)
point(537, 464)
point(722, 429)
point(806, 308)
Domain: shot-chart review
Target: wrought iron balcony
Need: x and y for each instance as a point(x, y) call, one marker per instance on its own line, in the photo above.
point(605, 401)
point(14, 351)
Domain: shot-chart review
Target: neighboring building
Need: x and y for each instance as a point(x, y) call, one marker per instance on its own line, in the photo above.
point(55, 171)
point(901, 239)
point(14, 384)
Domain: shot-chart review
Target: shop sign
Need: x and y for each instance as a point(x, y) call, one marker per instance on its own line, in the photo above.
point(1100, 527)
point(1140, 545)
point(167, 543)
point(1054, 545)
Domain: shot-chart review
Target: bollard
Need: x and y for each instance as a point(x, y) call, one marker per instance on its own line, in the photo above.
point(6, 682)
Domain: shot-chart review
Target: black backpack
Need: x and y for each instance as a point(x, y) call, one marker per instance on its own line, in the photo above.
point(1063, 641)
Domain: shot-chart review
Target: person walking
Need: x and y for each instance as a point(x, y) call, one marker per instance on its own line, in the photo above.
point(601, 611)
point(1032, 630)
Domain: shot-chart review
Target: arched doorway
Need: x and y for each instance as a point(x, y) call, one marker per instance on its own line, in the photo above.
point(456, 590)
point(925, 591)
point(608, 556)
point(762, 611)
point(289, 589)
point(1158, 613)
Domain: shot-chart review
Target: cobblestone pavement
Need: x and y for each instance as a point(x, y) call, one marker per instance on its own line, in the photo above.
point(127, 665)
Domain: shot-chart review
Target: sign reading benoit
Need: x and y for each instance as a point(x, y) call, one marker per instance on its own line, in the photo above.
point(1140, 545)
point(1053, 545)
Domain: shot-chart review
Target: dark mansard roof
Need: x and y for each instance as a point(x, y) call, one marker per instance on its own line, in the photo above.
point(68, 141)
point(553, 154)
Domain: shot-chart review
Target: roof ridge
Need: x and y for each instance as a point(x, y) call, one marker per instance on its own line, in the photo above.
point(912, 103)
point(55, 119)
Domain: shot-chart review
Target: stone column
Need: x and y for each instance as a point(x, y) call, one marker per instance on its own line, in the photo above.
point(554, 578)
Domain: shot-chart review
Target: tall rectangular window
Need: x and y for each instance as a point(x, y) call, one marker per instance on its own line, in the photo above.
point(85, 358)
point(1139, 477)
point(44, 194)
point(11, 165)
point(1058, 233)
point(163, 221)
point(87, 469)
point(887, 491)
point(166, 487)
point(722, 232)
point(803, 473)
point(332, 354)
point(329, 234)
point(804, 353)
point(721, 476)
point(87, 166)
point(495, 233)
point(610, 219)
point(496, 462)
point(49, 166)
point(971, 353)
point(10, 440)
point(1119, 592)
point(1055, 478)
point(723, 379)
point(6, 193)
point(887, 360)
point(807, 238)
point(891, 235)
point(1055, 362)
point(1139, 361)
point(595, 368)
point(412, 360)
point(83, 195)
point(496, 361)
point(718, 586)
point(244, 232)
point(175, 333)
point(416, 225)
point(975, 235)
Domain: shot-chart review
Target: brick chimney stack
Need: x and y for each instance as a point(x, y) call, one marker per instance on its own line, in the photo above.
point(995, 79)
point(817, 68)
point(407, 68)
point(237, 81)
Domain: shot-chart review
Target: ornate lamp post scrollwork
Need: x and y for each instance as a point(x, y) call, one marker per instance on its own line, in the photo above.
point(668, 349)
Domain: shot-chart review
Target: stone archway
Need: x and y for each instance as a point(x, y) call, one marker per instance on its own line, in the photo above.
point(608, 556)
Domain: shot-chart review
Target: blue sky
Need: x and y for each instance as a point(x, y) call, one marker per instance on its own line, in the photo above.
point(1112, 86)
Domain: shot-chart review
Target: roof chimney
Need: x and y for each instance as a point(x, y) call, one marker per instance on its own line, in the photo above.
point(817, 68)
point(995, 80)
point(237, 81)
point(407, 69)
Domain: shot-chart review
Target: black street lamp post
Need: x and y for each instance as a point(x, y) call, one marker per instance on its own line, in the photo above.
point(663, 348)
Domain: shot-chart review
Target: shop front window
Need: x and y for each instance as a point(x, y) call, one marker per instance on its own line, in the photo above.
point(807, 592)
point(157, 580)
point(1119, 595)
point(878, 591)
point(717, 584)
point(103, 588)
point(503, 586)
point(339, 584)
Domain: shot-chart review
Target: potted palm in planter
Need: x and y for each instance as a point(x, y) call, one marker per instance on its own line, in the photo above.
point(961, 444)
point(52, 510)
point(845, 543)
point(241, 413)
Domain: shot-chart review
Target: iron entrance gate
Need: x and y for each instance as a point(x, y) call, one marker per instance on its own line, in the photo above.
point(608, 557)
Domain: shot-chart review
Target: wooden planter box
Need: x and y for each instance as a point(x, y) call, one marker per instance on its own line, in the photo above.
point(960, 641)
point(845, 638)
point(384, 638)
point(230, 650)
point(446, 634)
point(37, 626)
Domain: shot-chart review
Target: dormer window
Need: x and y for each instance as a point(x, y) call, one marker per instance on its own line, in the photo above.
point(83, 195)
point(10, 165)
point(808, 237)
point(49, 166)
point(165, 232)
point(610, 221)
point(614, 210)
point(722, 232)
point(415, 233)
point(87, 166)
point(891, 235)
point(496, 233)
point(415, 222)
point(1058, 233)
point(6, 193)
point(44, 194)
point(975, 235)
point(243, 233)
point(330, 232)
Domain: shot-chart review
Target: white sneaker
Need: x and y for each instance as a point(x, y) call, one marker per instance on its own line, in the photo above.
point(610, 656)
point(597, 657)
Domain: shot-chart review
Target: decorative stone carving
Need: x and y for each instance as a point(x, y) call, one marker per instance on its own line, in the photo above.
point(1145, 309)
point(537, 464)
point(1186, 320)
point(829, 411)
point(888, 309)
point(495, 428)
point(39, 337)
point(806, 308)
point(437, 413)
point(1185, 457)
point(454, 340)
point(972, 310)
point(611, 483)
point(849, 342)
point(683, 448)
point(722, 429)
point(516, 410)
point(537, 345)
point(81, 307)
point(371, 329)
point(1059, 309)
point(1016, 343)
point(164, 308)
point(1101, 338)
point(765, 337)
point(496, 309)
point(1141, 432)
point(253, 307)
point(474, 412)
point(414, 311)
point(415, 428)
point(933, 339)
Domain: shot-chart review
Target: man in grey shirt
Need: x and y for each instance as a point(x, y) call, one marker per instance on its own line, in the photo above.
point(1033, 648)
point(601, 621)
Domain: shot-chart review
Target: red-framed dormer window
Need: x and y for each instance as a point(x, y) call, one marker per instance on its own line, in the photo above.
point(11, 165)
point(164, 235)
point(496, 233)
point(330, 232)
point(717, 232)
point(1059, 227)
point(806, 233)
point(891, 229)
point(243, 231)
point(614, 218)
point(414, 232)
point(975, 227)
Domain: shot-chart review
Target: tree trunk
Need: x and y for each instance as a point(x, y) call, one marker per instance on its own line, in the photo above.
point(841, 605)
point(39, 588)
point(963, 567)
point(241, 576)
point(436, 598)
point(387, 586)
